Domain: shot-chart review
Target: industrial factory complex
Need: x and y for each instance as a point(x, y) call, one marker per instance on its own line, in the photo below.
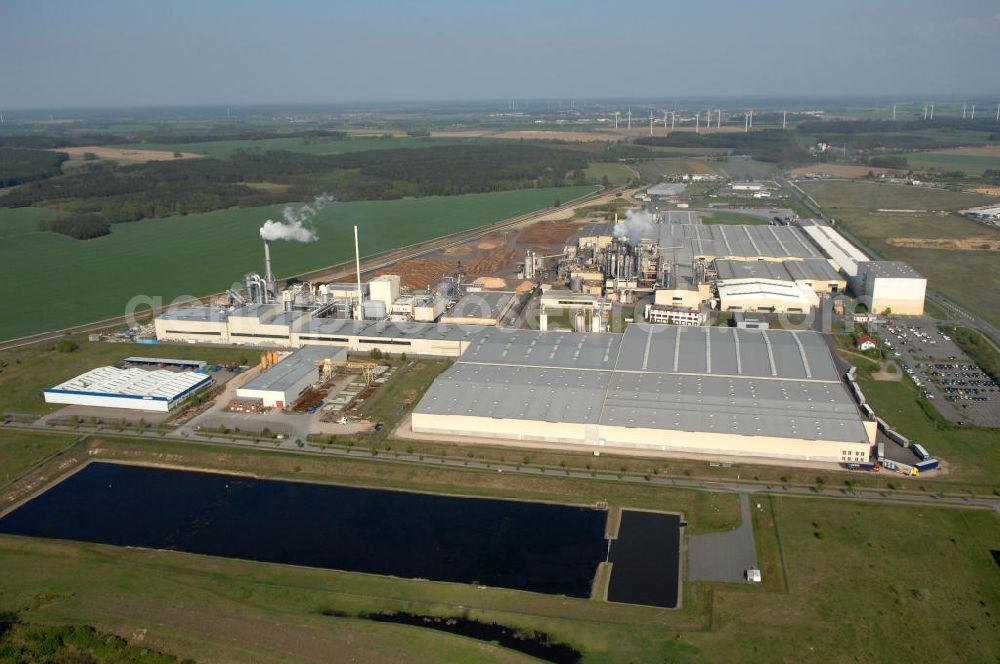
point(665, 384)
point(654, 388)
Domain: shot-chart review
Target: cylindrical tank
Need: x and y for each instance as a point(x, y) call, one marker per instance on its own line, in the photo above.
point(575, 284)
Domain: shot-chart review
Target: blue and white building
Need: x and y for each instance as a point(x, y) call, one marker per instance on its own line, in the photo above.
point(135, 389)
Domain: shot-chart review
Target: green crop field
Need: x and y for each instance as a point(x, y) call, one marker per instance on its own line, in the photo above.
point(969, 277)
point(940, 161)
point(223, 149)
point(19, 221)
point(64, 282)
point(840, 577)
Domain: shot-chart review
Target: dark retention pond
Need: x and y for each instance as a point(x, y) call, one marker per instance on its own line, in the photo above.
point(525, 546)
point(645, 559)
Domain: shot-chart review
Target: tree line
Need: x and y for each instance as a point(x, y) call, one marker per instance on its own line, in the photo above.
point(18, 166)
point(770, 145)
point(105, 193)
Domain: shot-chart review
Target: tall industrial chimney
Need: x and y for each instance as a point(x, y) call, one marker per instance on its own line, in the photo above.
point(357, 267)
point(268, 274)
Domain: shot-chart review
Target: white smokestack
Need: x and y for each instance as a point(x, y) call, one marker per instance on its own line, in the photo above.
point(357, 266)
point(268, 274)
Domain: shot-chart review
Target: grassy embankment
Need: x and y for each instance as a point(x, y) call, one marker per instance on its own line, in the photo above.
point(227, 609)
point(199, 254)
point(970, 277)
point(971, 453)
point(978, 348)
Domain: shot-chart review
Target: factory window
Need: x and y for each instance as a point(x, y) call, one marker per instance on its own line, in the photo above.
point(392, 342)
point(258, 336)
point(193, 332)
point(308, 337)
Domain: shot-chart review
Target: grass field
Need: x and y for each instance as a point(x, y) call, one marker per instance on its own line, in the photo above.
point(844, 581)
point(617, 174)
point(970, 277)
point(68, 282)
point(968, 164)
point(25, 372)
point(20, 450)
point(224, 149)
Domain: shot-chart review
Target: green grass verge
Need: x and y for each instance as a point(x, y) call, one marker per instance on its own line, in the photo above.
point(69, 282)
point(22, 450)
point(977, 347)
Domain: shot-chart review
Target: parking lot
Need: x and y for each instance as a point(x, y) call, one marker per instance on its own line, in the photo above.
point(942, 372)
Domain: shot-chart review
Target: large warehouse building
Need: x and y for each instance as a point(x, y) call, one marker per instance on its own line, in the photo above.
point(280, 385)
point(717, 391)
point(892, 286)
point(135, 389)
point(269, 325)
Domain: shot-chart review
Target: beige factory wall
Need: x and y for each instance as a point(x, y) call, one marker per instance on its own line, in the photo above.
point(467, 320)
point(688, 298)
point(901, 307)
point(269, 397)
point(191, 331)
point(639, 440)
point(488, 427)
point(822, 285)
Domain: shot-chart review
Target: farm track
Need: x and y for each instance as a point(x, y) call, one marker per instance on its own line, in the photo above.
point(370, 264)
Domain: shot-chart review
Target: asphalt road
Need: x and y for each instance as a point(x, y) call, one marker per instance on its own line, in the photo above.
point(729, 486)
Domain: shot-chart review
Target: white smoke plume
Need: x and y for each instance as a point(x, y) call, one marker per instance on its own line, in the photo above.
point(637, 225)
point(294, 227)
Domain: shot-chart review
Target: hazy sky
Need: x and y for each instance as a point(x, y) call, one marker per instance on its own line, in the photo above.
point(136, 52)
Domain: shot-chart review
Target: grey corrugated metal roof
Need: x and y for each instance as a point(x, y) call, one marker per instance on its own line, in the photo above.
point(892, 269)
point(342, 327)
point(482, 304)
point(290, 371)
point(767, 383)
point(818, 269)
point(726, 351)
point(201, 314)
point(571, 350)
point(716, 240)
point(746, 406)
point(511, 392)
